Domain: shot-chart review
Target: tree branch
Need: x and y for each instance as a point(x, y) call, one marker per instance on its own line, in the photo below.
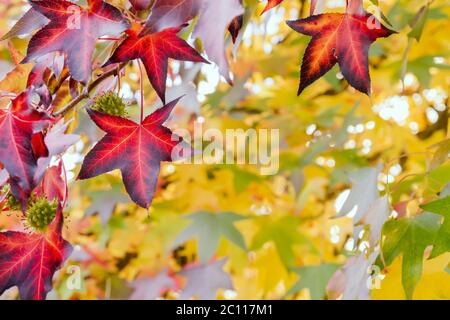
point(88, 90)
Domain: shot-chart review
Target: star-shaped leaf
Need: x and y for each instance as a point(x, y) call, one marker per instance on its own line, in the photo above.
point(140, 4)
point(53, 186)
point(211, 26)
point(29, 22)
point(284, 233)
point(135, 149)
point(4, 176)
point(30, 260)
point(271, 4)
point(350, 281)
point(171, 13)
point(104, 202)
point(409, 237)
point(363, 194)
point(235, 27)
point(375, 217)
point(17, 128)
point(55, 142)
point(210, 228)
point(203, 281)
point(314, 278)
point(154, 50)
point(74, 31)
point(152, 288)
point(339, 38)
point(442, 241)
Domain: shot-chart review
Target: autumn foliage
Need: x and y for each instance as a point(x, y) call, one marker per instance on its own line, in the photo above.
point(103, 173)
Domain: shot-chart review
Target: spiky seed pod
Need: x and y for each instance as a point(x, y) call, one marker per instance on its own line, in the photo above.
point(110, 103)
point(41, 213)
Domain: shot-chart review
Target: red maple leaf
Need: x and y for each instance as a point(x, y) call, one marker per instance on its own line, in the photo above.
point(20, 139)
point(271, 4)
point(74, 31)
point(53, 186)
point(339, 38)
point(29, 261)
point(140, 4)
point(30, 21)
point(54, 143)
point(171, 13)
point(235, 27)
point(154, 50)
point(46, 67)
point(38, 145)
point(135, 149)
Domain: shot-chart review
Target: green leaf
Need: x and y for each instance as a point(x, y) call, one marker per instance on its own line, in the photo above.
point(409, 237)
point(338, 138)
point(385, 19)
point(104, 202)
point(421, 66)
point(314, 278)
point(418, 23)
point(442, 241)
point(284, 233)
point(441, 154)
point(243, 178)
point(209, 228)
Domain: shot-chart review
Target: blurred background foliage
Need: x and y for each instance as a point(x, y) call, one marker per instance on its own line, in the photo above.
point(249, 236)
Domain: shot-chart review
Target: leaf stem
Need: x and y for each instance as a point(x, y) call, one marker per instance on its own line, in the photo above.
point(71, 104)
point(141, 84)
point(119, 85)
point(109, 39)
point(66, 191)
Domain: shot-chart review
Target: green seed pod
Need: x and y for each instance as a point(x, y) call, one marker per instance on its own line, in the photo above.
point(41, 213)
point(110, 103)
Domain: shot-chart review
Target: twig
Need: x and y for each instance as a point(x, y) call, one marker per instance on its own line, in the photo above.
point(72, 104)
point(88, 90)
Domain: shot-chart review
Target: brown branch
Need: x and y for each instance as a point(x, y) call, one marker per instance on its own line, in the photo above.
point(88, 90)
